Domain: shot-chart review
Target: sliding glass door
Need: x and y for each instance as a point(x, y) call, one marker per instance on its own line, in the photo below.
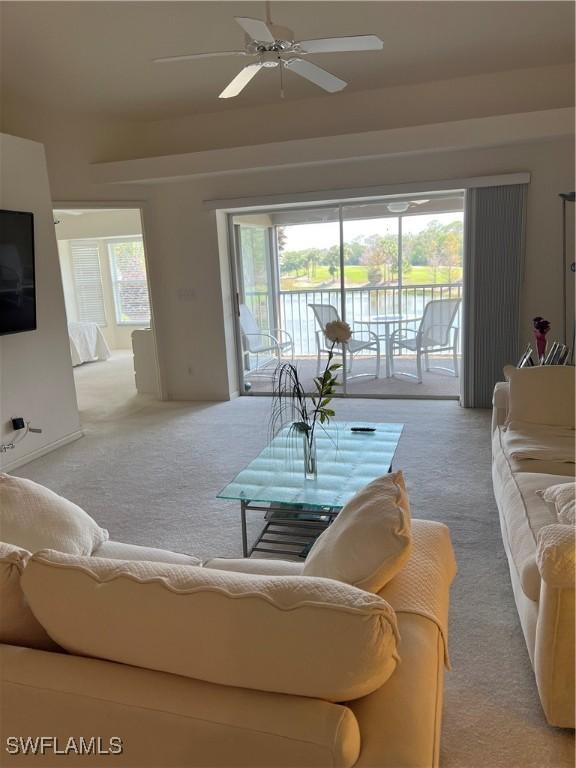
point(392, 268)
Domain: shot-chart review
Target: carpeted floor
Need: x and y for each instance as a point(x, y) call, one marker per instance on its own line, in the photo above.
point(149, 472)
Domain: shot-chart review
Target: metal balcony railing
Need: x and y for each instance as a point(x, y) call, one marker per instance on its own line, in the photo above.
point(295, 316)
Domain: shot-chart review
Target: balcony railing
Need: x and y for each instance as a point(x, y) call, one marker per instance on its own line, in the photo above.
point(296, 317)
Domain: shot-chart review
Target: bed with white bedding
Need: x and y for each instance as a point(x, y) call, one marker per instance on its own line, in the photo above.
point(87, 343)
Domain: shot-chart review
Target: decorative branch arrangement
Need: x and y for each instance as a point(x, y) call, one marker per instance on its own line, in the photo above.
point(292, 406)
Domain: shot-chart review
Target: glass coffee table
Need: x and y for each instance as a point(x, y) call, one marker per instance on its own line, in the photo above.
point(297, 509)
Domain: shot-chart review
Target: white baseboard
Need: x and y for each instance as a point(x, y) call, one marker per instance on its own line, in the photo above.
point(42, 451)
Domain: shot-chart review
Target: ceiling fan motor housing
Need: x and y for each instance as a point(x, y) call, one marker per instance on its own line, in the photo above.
point(283, 36)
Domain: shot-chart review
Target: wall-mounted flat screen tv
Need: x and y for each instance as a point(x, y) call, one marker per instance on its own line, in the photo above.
point(17, 275)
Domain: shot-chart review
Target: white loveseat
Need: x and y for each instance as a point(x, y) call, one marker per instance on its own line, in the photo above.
point(528, 456)
point(174, 719)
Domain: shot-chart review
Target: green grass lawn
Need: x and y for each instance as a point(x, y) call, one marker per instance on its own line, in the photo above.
point(357, 276)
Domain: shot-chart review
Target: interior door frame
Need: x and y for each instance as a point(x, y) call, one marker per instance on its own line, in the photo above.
point(142, 207)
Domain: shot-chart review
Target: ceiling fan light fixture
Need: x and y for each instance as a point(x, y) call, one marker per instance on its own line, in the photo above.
point(399, 207)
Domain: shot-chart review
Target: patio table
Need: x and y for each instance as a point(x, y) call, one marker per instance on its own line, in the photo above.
point(386, 321)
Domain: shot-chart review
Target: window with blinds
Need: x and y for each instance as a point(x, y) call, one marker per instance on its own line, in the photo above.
point(87, 281)
point(129, 283)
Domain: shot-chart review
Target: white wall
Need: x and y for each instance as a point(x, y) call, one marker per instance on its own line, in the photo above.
point(36, 379)
point(190, 299)
point(97, 225)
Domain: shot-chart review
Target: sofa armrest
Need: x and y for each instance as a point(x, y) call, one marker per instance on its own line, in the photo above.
point(554, 646)
point(500, 399)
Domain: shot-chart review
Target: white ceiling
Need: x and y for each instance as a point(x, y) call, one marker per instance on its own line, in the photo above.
point(96, 56)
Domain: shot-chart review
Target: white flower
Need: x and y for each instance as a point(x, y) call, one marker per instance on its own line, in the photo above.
point(338, 332)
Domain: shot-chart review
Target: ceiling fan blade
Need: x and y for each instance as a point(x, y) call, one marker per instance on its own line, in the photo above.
point(188, 56)
point(341, 44)
point(241, 80)
point(256, 29)
point(315, 74)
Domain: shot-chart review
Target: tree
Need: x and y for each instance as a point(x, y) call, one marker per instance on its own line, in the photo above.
point(374, 275)
point(292, 261)
point(435, 261)
point(332, 261)
point(382, 251)
point(452, 252)
point(281, 239)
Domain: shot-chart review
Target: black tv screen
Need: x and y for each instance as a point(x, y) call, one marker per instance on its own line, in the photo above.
point(17, 278)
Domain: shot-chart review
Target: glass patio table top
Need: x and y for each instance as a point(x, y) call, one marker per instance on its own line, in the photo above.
point(347, 461)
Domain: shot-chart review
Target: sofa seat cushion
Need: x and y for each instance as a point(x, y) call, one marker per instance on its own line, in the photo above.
point(18, 625)
point(288, 634)
point(524, 512)
point(34, 517)
point(369, 541)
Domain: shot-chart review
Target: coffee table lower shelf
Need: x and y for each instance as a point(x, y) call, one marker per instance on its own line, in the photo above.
point(294, 529)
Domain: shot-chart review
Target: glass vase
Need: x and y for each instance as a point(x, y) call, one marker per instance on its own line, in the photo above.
point(310, 460)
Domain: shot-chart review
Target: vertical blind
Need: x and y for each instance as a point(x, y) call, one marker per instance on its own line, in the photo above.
point(493, 266)
point(88, 281)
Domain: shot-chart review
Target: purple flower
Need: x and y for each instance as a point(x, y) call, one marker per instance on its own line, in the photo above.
point(541, 325)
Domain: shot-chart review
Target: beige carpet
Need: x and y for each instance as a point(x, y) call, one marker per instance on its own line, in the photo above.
point(149, 472)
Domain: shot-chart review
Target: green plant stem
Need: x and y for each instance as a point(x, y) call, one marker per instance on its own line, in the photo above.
point(321, 395)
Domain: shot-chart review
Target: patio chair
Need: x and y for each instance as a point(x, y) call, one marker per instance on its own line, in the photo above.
point(436, 333)
point(273, 343)
point(327, 313)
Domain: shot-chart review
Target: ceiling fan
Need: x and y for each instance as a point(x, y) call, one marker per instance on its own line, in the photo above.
point(275, 46)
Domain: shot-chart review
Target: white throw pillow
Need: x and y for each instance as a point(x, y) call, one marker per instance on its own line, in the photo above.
point(288, 634)
point(563, 496)
point(34, 517)
point(370, 540)
point(543, 394)
point(18, 625)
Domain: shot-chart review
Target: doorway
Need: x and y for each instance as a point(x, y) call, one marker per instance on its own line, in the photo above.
point(105, 281)
point(391, 267)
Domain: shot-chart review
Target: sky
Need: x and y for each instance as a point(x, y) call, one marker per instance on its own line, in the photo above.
point(299, 237)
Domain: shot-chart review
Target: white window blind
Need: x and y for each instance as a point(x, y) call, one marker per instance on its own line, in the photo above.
point(129, 283)
point(88, 281)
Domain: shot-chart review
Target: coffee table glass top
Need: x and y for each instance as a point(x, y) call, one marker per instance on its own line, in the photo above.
point(347, 461)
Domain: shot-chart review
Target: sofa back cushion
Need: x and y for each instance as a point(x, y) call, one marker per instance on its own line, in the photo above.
point(34, 517)
point(370, 540)
point(18, 625)
point(295, 635)
point(541, 395)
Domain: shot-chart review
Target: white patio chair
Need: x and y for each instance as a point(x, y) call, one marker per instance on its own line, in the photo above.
point(436, 333)
point(327, 313)
point(272, 343)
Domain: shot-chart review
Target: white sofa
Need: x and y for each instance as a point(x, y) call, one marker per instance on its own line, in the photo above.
point(166, 719)
point(540, 552)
